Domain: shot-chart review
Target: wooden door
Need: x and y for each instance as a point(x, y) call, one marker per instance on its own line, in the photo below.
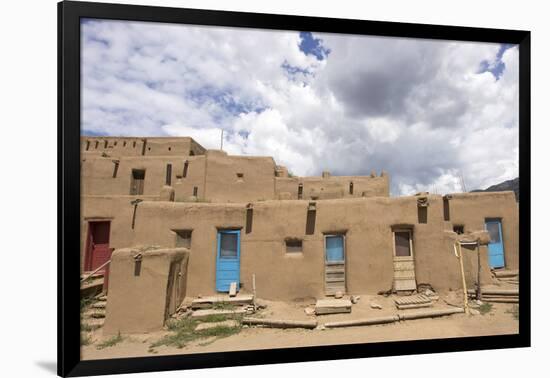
point(228, 257)
point(98, 251)
point(335, 264)
point(404, 278)
point(496, 247)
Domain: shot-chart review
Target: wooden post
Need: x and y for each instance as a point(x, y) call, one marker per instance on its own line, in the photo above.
point(464, 288)
point(478, 288)
point(254, 290)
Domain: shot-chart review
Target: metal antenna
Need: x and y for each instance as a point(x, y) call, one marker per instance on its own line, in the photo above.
point(462, 182)
point(221, 141)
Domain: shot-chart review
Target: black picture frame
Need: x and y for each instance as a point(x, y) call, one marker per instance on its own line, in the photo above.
point(69, 15)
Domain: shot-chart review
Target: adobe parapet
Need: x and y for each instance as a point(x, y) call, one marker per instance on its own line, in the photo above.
point(134, 146)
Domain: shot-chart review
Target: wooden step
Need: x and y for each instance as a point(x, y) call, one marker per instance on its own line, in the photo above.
point(206, 313)
point(209, 302)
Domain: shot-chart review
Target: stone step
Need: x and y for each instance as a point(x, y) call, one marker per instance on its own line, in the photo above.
point(99, 305)
point(505, 273)
point(228, 323)
point(332, 306)
point(94, 323)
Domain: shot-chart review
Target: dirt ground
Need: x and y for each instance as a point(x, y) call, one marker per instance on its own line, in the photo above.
point(499, 320)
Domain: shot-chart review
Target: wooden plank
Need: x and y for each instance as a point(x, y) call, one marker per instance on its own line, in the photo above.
point(278, 323)
point(233, 289)
point(414, 305)
point(335, 268)
point(337, 279)
point(405, 285)
point(363, 322)
point(208, 302)
point(205, 313)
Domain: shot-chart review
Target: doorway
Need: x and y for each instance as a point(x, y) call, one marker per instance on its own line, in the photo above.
point(98, 251)
point(496, 246)
point(335, 264)
point(228, 257)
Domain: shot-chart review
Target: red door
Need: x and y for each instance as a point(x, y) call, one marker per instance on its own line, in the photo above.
point(98, 251)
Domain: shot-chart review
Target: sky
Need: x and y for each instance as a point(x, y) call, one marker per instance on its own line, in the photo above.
point(427, 112)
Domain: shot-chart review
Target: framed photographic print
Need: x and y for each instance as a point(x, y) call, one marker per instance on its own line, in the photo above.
point(256, 188)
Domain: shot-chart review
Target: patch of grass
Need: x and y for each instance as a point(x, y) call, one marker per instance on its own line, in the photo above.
point(85, 339)
point(485, 308)
point(110, 342)
point(223, 306)
point(514, 311)
point(183, 332)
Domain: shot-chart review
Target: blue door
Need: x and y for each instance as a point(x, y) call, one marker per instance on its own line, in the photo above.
point(228, 259)
point(334, 247)
point(496, 247)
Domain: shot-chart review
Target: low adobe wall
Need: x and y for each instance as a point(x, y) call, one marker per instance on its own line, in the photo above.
point(145, 287)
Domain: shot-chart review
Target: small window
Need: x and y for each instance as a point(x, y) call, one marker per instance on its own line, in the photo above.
point(169, 148)
point(300, 191)
point(403, 244)
point(124, 144)
point(87, 145)
point(195, 191)
point(293, 246)
point(351, 187)
point(105, 144)
point(183, 238)
point(115, 142)
point(134, 144)
point(458, 228)
point(96, 144)
point(240, 175)
point(137, 182)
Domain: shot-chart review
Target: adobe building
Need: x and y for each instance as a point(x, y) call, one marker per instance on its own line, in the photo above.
point(239, 216)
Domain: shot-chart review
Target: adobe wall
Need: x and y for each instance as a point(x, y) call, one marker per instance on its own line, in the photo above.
point(156, 223)
point(332, 187)
point(211, 175)
point(142, 297)
point(97, 175)
point(239, 178)
point(472, 209)
point(130, 146)
point(367, 224)
point(118, 210)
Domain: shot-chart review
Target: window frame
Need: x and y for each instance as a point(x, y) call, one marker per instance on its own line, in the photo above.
point(410, 232)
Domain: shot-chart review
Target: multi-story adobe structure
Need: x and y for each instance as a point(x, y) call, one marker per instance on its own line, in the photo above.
point(241, 216)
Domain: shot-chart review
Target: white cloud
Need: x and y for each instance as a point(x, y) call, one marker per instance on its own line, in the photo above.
point(420, 109)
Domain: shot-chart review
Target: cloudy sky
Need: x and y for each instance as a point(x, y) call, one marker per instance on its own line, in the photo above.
point(425, 111)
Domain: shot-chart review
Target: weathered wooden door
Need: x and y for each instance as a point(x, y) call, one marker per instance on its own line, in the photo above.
point(137, 181)
point(98, 251)
point(335, 264)
point(496, 247)
point(228, 259)
point(404, 278)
